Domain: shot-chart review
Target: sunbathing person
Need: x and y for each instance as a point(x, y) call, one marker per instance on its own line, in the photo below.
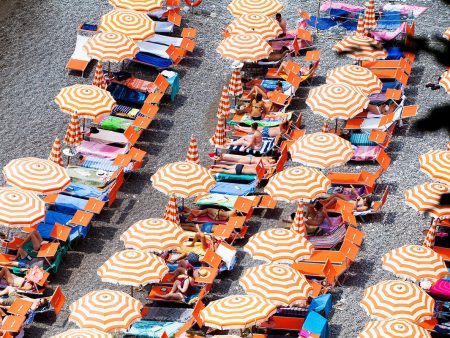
point(244, 159)
point(283, 24)
point(252, 141)
point(282, 129)
point(266, 95)
point(277, 55)
point(303, 70)
point(257, 107)
point(238, 169)
point(361, 203)
point(24, 261)
point(13, 281)
point(182, 288)
point(315, 216)
point(33, 237)
point(382, 109)
point(12, 295)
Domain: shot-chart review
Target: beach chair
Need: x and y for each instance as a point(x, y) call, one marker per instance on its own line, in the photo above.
point(161, 27)
point(368, 147)
point(347, 254)
point(199, 293)
point(88, 148)
point(167, 57)
point(330, 240)
point(79, 60)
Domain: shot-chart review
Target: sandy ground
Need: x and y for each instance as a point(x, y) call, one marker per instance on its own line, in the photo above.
point(38, 37)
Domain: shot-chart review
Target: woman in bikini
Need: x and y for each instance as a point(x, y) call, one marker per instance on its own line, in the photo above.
point(360, 204)
point(258, 109)
point(14, 281)
point(243, 159)
point(182, 288)
point(282, 129)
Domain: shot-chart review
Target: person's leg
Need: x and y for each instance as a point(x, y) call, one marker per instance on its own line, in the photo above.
point(196, 238)
point(204, 241)
point(189, 226)
point(174, 296)
point(36, 239)
point(178, 271)
point(6, 275)
point(7, 291)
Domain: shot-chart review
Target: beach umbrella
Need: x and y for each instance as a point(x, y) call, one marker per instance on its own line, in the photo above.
point(105, 310)
point(136, 25)
point(321, 150)
point(358, 76)
point(279, 246)
point(426, 198)
point(393, 328)
point(183, 179)
point(235, 85)
point(83, 333)
point(171, 213)
point(394, 299)
point(298, 224)
point(154, 235)
point(87, 100)
point(360, 27)
point(192, 154)
point(237, 312)
point(218, 139)
point(445, 81)
point(280, 284)
point(19, 208)
point(263, 25)
point(138, 5)
point(337, 101)
point(111, 47)
point(360, 47)
point(446, 34)
point(436, 164)
point(133, 267)
point(73, 136)
point(55, 153)
point(431, 235)
point(36, 175)
point(415, 263)
point(99, 79)
point(224, 105)
point(369, 15)
point(261, 7)
point(244, 47)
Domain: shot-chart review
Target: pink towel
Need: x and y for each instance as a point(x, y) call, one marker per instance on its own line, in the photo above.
point(441, 289)
point(337, 5)
point(100, 150)
point(388, 36)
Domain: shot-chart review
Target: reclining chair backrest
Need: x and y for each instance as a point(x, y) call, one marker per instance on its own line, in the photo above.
point(196, 313)
point(161, 83)
point(329, 272)
point(377, 136)
point(187, 45)
point(212, 259)
point(409, 111)
point(354, 236)
point(259, 171)
point(378, 204)
point(57, 300)
point(243, 204)
point(282, 160)
point(189, 33)
point(349, 250)
point(383, 160)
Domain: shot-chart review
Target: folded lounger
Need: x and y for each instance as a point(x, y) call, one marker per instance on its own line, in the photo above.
point(100, 150)
point(79, 59)
point(153, 49)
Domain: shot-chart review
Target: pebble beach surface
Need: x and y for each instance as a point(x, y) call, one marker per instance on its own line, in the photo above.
point(38, 37)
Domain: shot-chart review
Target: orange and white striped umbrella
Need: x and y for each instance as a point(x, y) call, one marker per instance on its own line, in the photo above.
point(73, 136)
point(415, 263)
point(446, 34)
point(99, 79)
point(19, 208)
point(431, 235)
point(354, 75)
point(280, 284)
point(279, 246)
point(154, 235)
point(138, 5)
point(55, 153)
point(133, 267)
point(445, 81)
point(183, 179)
point(87, 100)
point(298, 225)
point(369, 15)
point(360, 47)
point(244, 47)
point(224, 105)
point(36, 175)
point(394, 299)
point(111, 47)
point(337, 101)
point(171, 213)
point(393, 328)
point(436, 164)
point(83, 333)
point(235, 85)
point(321, 150)
point(105, 310)
point(297, 184)
point(136, 25)
point(360, 27)
point(426, 198)
point(192, 154)
point(262, 7)
point(218, 139)
point(237, 312)
point(263, 25)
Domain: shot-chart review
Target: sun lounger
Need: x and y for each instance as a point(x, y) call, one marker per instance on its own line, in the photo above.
point(100, 150)
point(235, 189)
point(79, 59)
point(124, 94)
point(87, 176)
point(85, 191)
point(106, 164)
point(153, 61)
point(161, 27)
point(153, 49)
point(330, 240)
point(108, 137)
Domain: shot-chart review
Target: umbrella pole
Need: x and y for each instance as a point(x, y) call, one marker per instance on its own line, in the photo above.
point(132, 291)
point(318, 16)
point(335, 128)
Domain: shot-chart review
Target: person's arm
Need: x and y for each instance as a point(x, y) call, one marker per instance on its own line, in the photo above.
point(185, 285)
point(250, 143)
point(180, 257)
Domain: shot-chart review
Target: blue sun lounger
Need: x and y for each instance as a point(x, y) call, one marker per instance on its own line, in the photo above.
point(235, 189)
point(315, 323)
point(122, 93)
point(152, 60)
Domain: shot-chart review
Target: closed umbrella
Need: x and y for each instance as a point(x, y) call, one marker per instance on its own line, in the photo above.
point(224, 105)
point(446, 34)
point(431, 235)
point(99, 79)
point(55, 153)
point(219, 137)
point(136, 25)
point(369, 15)
point(192, 154)
point(73, 136)
point(262, 7)
point(171, 213)
point(235, 86)
point(244, 47)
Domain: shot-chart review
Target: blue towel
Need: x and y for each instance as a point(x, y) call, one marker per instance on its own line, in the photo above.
point(321, 304)
point(45, 229)
point(86, 191)
point(315, 323)
point(338, 14)
point(153, 60)
point(69, 204)
point(323, 24)
point(105, 164)
point(124, 94)
point(270, 85)
point(394, 53)
point(391, 85)
point(350, 25)
point(153, 329)
point(89, 27)
point(389, 20)
point(234, 189)
point(361, 139)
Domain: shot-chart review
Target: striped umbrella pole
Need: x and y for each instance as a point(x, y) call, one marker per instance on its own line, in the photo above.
point(99, 77)
point(224, 105)
point(218, 139)
point(55, 154)
point(192, 154)
point(171, 213)
point(431, 235)
point(360, 28)
point(298, 225)
point(235, 86)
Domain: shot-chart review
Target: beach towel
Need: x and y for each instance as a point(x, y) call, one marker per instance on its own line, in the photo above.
point(85, 191)
point(271, 120)
point(267, 144)
point(103, 164)
point(235, 189)
point(100, 150)
point(441, 289)
point(388, 36)
point(69, 204)
point(221, 177)
point(322, 23)
point(115, 123)
point(125, 111)
point(405, 9)
point(122, 93)
point(361, 139)
point(389, 20)
point(153, 60)
point(394, 53)
point(109, 137)
point(153, 329)
point(222, 200)
point(366, 153)
point(270, 85)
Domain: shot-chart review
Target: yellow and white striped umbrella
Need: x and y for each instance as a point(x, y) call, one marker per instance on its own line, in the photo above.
point(138, 5)
point(426, 198)
point(321, 150)
point(36, 175)
point(445, 81)
point(136, 25)
point(337, 101)
point(298, 183)
point(83, 333)
point(183, 179)
point(436, 164)
point(237, 312)
point(360, 47)
point(393, 328)
point(358, 76)
point(262, 25)
point(262, 7)
point(133, 267)
point(244, 47)
point(154, 235)
point(105, 310)
point(279, 246)
point(394, 299)
point(280, 284)
point(111, 46)
point(19, 208)
point(87, 100)
point(415, 263)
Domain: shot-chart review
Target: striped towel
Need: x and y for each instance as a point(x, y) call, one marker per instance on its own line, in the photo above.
point(268, 144)
point(361, 139)
point(93, 162)
point(327, 242)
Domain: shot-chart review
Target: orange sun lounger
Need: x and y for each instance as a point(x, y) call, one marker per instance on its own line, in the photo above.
point(79, 60)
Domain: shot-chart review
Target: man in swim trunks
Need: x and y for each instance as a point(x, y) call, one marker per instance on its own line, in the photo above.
point(238, 169)
point(283, 24)
point(244, 159)
point(252, 141)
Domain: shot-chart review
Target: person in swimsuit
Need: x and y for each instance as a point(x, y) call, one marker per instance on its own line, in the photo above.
point(266, 95)
point(258, 108)
point(13, 281)
point(283, 24)
point(24, 261)
point(252, 141)
point(33, 237)
point(360, 204)
point(12, 295)
point(315, 216)
point(282, 129)
point(382, 109)
point(238, 169)
point(244, 159)
point(183, 287)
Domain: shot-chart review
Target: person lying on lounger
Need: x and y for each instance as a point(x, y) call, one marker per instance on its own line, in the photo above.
point(216, 214)
point(303, 70)
point(266, 95)
point(360, 204)
point(33, 237)
point(244, 159)
point(182, 288)
point(282, 129)
point(24, 261)
point(13, 281)
point(278, 55)
point(315, 216)
point(382, 109)
point(12, 295)
point(251, 141)
point(238, 169)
